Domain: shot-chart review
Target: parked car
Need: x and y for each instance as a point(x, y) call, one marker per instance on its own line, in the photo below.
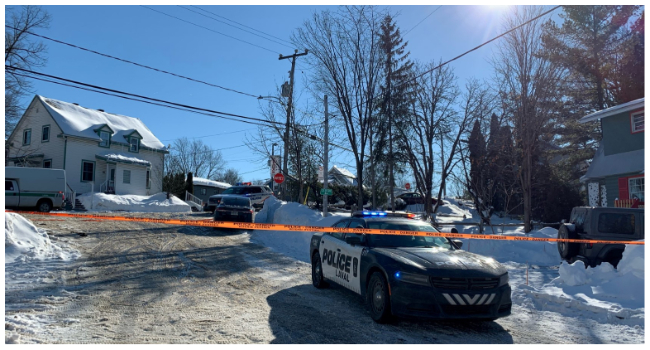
point(257, 194)
point(401, 275)
point(40, 188)
point(234, 208)
point(410, 198)
point(590, 223)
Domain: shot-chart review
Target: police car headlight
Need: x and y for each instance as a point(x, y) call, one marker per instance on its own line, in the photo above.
point(412, 278)
point(503, 280)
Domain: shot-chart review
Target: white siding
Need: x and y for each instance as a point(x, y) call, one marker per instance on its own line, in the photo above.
point(35, 118)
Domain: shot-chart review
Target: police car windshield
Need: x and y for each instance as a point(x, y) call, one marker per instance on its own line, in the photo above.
point(390, 241)
point(235, 190)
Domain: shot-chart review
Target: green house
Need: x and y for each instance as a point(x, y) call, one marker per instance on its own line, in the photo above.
point(616, 175)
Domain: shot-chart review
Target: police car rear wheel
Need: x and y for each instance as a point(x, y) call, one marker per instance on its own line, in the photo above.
point(317, 272)
point(378, 299)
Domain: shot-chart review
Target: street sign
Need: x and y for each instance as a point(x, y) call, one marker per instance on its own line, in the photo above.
point(408, 186)
point(326, 191)
point(279, 178)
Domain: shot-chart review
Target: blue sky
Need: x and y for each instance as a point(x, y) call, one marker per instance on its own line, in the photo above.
point(144, 36)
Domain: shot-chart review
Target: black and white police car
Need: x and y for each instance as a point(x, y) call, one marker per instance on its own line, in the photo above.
point(415, 276)
point(256, 193)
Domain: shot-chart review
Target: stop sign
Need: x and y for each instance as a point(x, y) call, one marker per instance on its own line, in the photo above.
point(278, 178)
point(408, 186)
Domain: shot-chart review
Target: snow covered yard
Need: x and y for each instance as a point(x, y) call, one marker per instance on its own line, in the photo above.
point(538, 277)
point(156, 203)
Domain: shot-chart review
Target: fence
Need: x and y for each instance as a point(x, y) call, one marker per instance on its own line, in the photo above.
point(482, 225)
point(628, 203)
point(193, 198)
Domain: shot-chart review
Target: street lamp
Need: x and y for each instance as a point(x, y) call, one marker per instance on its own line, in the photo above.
point(273, 165)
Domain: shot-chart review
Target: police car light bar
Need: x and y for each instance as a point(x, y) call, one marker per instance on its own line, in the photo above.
point(371, 214)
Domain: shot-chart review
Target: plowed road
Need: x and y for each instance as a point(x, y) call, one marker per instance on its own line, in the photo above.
point(154, 283)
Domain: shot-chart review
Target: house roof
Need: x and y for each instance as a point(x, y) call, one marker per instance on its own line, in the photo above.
point(625, 107)
point(210, 183)
point(614, 164)
point(342, 171)
point(79, 121)
point(116, 157)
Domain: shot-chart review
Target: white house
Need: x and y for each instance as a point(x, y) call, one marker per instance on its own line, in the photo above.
point(100, 151)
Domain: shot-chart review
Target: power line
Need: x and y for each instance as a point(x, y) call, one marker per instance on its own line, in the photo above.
point(212, 30)
point(252, 171)
point(228, 24)
point(134, 63)
point(147, 98)
point(223, 133)
point(243, 25)
point(438, 8)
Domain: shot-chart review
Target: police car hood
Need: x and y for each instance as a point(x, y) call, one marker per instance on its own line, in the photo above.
point(443, 259)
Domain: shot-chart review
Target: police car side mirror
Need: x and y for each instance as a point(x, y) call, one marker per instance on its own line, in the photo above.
point(353, 240)
point(458, 243)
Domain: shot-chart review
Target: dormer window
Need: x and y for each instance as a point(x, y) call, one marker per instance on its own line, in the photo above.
point(106, 139)
point(134, 144)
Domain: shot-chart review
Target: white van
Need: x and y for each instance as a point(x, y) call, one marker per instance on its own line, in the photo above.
point(41, 188)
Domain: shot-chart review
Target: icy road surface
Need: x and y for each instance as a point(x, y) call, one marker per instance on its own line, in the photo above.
point(154, 283)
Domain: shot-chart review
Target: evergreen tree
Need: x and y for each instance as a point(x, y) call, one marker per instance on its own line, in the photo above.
point(189, 183)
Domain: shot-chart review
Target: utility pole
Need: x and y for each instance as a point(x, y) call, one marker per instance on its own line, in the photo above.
point(289, 111)
point(326, 158)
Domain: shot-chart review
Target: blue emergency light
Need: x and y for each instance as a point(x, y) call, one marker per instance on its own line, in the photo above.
point(374, 213)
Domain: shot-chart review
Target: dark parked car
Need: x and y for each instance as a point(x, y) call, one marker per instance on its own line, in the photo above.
point(590, 223)
point(235, 208)
point(410, 198)
point(415, 276)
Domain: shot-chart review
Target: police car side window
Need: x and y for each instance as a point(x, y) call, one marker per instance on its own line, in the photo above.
point(339, 235)
point(356, 223)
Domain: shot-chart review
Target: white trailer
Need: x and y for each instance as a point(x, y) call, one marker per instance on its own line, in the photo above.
point(40, 188)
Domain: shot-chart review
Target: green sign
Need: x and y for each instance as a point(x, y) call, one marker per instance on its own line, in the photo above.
point(326, 191)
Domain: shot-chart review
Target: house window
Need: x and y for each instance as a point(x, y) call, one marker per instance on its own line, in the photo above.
point(47, 163)
point(126, 177)
point(45, 135)
point(148, 179)
point(106, 139)
point(636, 119)
point(204, 191)
point(27, 137)
point(134, 144)
point(87, 170)
point(636, 187)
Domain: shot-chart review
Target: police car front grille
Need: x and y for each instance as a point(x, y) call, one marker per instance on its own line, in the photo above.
point(464, 283)
point(466, 309)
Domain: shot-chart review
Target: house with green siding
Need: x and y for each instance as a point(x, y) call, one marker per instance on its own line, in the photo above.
point(616, 175)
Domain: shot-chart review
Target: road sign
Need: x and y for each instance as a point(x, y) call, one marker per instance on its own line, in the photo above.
point(408, 186)
point(279, 178)
point(326, 191)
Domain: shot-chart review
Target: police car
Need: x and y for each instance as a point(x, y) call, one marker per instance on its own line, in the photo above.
point(416, 276)
point(257, 194)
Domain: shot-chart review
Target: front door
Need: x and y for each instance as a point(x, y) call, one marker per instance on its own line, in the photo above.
point(12, 195)
point(111, 181)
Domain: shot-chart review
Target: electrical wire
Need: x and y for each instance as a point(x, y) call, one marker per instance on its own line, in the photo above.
point(212, 30)
point(429, 15)
point(223, 133)
point(228, 24)
point(134, 63)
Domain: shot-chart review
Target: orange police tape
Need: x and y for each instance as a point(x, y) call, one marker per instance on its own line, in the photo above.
point(282, 227)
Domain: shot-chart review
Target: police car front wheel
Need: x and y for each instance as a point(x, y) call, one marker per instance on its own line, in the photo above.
point(317, 272)
point(378, 298)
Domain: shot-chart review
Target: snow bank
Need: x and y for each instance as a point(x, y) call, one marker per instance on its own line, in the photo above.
point(293, 244)
point(133, 203)
point(25, 242)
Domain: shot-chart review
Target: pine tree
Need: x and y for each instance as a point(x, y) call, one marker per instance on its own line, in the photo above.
point(189, 183)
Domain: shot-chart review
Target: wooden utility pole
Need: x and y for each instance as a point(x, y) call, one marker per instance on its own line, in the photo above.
point(326, 140)
point(289, 111)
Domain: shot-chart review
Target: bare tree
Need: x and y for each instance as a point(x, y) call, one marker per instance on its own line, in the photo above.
point(229, 176)
point(21, 52)
point(196, 157)
point(528, 85)
point(345, 55)
point(435, 97)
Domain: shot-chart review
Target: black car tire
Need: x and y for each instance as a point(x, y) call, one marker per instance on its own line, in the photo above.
point(567, 250)
point(378, 298)
point(44, 206)
point(317, 278)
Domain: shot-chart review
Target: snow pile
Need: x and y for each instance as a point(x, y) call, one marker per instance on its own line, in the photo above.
point(25, 242)
point(133, 203)
point(293, 244)
point(123, 158)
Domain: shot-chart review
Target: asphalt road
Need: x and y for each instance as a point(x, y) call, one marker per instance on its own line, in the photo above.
point(155, 283)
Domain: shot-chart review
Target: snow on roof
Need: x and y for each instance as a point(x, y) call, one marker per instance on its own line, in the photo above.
point(343, 171)
point(122, 158)
point(80, 121)
point(211, 183)
point(625, 107)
